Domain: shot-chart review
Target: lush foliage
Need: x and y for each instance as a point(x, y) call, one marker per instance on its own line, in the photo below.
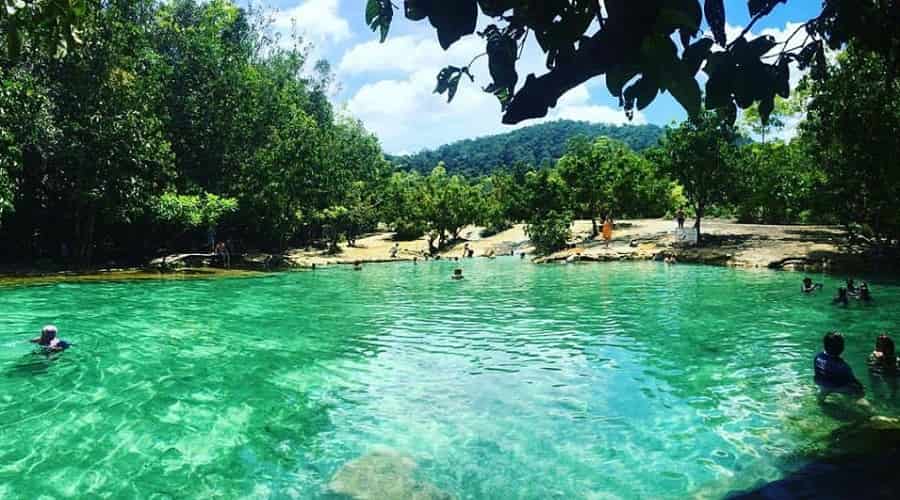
point(535, 145)
point(169, 122)
point(607, 177)
point(851, 135)
point(699, 154)
point(634, 45)
point(776, 183)
point(177, 123)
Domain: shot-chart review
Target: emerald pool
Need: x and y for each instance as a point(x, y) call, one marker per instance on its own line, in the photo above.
point(626, 380)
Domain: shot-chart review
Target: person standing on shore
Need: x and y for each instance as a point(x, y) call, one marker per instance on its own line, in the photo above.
point(607, 230)
point(679, 217)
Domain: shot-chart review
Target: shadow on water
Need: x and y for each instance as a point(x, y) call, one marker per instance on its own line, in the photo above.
point(32, 364)
point(859, 460)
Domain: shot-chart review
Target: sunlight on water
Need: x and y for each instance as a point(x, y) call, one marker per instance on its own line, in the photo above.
point(522, 381)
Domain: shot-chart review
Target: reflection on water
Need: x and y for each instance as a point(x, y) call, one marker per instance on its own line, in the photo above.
point(522, 381)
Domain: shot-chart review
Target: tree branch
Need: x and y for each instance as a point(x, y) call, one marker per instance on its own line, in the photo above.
point(595, 56)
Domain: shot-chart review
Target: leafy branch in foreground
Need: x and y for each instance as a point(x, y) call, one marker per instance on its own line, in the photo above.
point(633, 44)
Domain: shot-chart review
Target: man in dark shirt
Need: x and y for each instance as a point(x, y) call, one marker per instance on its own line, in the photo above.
point(833, 374)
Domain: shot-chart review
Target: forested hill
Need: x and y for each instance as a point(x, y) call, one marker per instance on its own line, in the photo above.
point(532, 145)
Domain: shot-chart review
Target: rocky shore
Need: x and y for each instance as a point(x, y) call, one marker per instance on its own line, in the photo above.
point(805, 248)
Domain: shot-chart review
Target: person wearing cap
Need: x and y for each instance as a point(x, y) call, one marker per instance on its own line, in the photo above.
point(49, 341)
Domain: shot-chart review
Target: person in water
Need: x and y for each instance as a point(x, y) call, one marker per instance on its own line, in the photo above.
point(357, 266)
point(49, 341)
point(851, 287)
point(883, 359)
point(457, 274)
point(841, 298)
point(809, 287)
point(864, 294)
point(832, 373)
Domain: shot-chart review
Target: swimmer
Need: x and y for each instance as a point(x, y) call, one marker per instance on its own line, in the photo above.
point(457, 274)
point(833, 374)
point(841, 297)
point(851, 287)
point(809, 287)
point(883, 359)
point(670, 259)
point(415, 261)
point(49, 341)
point(357, 265)
point(864, 294)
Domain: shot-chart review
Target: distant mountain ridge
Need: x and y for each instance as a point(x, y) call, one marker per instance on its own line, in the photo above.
point(535, 145)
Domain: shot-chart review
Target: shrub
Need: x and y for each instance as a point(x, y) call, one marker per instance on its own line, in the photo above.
point(550, 232)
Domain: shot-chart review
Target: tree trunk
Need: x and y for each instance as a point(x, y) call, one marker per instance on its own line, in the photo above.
point(699, 214)
point(84, 234)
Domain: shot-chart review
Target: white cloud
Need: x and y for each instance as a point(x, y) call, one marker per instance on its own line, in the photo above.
point(317, 19)
point(406, 54)
point(407, 116)
point(405, 113)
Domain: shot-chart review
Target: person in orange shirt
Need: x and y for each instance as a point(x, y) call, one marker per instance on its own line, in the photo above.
point(607, 230)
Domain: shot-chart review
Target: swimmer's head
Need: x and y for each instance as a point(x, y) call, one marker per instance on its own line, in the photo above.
point(834, 343)
point(457, 272)
point(48, 333)
point(885, 345)
point(807, 281)
point(842, 292)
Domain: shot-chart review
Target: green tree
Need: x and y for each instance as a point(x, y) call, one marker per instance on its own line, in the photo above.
point(699, 155)
point(606, 176)
point(182, 213)
point(52, 25)
point(851, 133)
point(776, 183)
point(549, 216)
point(27, 130)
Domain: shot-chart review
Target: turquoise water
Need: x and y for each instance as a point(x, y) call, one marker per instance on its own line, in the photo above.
point(581, 381)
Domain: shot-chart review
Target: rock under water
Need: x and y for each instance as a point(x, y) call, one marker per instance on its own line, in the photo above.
point(383, 475)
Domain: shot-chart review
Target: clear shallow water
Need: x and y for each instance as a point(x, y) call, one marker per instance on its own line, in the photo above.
point(587, 381)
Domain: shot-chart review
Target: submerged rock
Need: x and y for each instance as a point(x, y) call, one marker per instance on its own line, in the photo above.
point(383, 475)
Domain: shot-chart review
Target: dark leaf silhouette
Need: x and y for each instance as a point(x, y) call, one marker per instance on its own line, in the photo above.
point(715, 16)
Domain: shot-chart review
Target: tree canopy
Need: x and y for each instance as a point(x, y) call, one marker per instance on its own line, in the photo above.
point(634, 45)
point(534, 145)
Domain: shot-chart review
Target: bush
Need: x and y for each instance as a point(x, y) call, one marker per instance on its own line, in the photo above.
point(550, 232)
point(408, 230)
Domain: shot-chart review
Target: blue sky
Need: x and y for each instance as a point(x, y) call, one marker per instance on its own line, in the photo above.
point(389, 86)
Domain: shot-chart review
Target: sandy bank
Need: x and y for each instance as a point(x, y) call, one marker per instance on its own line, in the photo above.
point(728, 244)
